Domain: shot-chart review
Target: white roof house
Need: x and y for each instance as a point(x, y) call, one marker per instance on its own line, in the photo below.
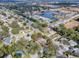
point(76, 51)
point(72, 43)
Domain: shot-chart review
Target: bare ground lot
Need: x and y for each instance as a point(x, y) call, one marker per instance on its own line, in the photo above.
point(72, 24)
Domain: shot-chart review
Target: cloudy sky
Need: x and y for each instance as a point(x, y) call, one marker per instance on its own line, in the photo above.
point(55, 0)
point(44, 0)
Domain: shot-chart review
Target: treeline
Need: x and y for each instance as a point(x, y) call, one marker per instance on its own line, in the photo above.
point(68, 33)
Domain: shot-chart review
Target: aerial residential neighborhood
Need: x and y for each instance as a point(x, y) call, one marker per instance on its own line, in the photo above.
point(39, 29)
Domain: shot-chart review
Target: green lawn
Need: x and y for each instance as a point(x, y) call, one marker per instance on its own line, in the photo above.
point(15, 31)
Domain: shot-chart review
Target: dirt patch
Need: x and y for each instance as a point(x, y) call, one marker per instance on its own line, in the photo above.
point(72, 24)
